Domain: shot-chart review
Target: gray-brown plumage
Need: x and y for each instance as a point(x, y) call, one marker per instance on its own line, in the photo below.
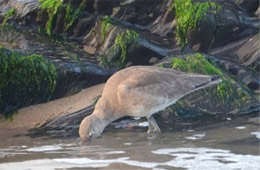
point(141, 91)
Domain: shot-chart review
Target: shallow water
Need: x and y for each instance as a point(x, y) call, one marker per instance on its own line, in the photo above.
point(233, 145)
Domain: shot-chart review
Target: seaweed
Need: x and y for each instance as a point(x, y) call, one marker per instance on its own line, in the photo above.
point(25, 80)
point(106, 25)
point(122, 43)
point(226, 92)
point(52, 7)
point(11, 12)
point(188, 15)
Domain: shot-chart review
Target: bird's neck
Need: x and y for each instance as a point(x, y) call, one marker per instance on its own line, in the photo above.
point(104, 115)
point(105, 119)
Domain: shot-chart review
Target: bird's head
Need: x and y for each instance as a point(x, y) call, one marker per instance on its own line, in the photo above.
point(90, 126)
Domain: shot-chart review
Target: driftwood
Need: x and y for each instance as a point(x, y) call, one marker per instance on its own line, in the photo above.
point(66, 125)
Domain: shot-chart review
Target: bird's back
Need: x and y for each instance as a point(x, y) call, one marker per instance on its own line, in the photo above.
point(141, 90)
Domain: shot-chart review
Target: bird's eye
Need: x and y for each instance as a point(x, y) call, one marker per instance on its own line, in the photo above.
point(90, 134)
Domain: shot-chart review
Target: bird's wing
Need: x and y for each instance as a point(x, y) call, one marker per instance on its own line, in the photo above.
point(154, 88)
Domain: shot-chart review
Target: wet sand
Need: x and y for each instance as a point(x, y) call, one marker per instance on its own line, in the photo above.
point(231, 144)
point(36, 115)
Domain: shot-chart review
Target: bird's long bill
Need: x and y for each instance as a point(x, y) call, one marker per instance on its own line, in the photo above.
point(215, 80)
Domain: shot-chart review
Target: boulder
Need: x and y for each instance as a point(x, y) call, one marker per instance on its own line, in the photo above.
point(232, 96)
point(249, 53)
point(75, 69)
point(214, 28)
point(22, 7)
point(249, 5)
point(109, 51)
point(241, 59)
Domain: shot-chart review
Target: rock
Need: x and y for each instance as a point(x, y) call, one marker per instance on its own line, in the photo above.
point(257, 13)
point(241, 59)
point(229, 35)
point(25, 80)
point(212, 31)
point(238, 95)
point(83, 26)
point(249, 5)
point(242, 74)
point(29, 13)
point(75, 70)
point(108, 53)
point(203, 103)
point(165, 24)
point(22, 7)
point(132, 11)
point(153, 60)
point(90, 49)
point(249, 53)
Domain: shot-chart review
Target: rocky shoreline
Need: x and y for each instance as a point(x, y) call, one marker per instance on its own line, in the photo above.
point(87, 41)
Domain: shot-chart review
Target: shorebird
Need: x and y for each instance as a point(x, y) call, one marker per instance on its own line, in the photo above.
point(141, 91)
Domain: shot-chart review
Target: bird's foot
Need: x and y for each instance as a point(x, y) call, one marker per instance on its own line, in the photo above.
point(152, 130)
point(153, 127)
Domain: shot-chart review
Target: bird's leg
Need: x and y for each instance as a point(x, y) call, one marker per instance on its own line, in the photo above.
point(153, 127)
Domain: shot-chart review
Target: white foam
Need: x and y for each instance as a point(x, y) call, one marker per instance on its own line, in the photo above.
point(115, 152)
point(143, 124)
point(127, 144)
point(7, 154)
point(240, 127)
point(137, 118)
point(44, 148)
point(48, 164)
point(123, 160)
point(206, 158)
point(190, 130)
point(257, 134)
point(196, 136)
point(65, 163)
point(189, 158)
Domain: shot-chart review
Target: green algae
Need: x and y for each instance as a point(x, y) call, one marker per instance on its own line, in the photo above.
point(122, 43)
point(70, 17)
point(72, 14)
point(227, 92)
point(52, 7)
point(195, 63)
point(25, 80)
point(188, 15)
point(11, 12)
point(106, 26)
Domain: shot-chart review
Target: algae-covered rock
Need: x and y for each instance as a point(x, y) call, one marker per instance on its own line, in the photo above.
point(116, 55)
point(189, 14)
point(205, 25)
point(25, 80)
point(228, 97)
point(75, 69)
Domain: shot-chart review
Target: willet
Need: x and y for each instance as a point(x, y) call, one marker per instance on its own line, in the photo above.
point(141, 91)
